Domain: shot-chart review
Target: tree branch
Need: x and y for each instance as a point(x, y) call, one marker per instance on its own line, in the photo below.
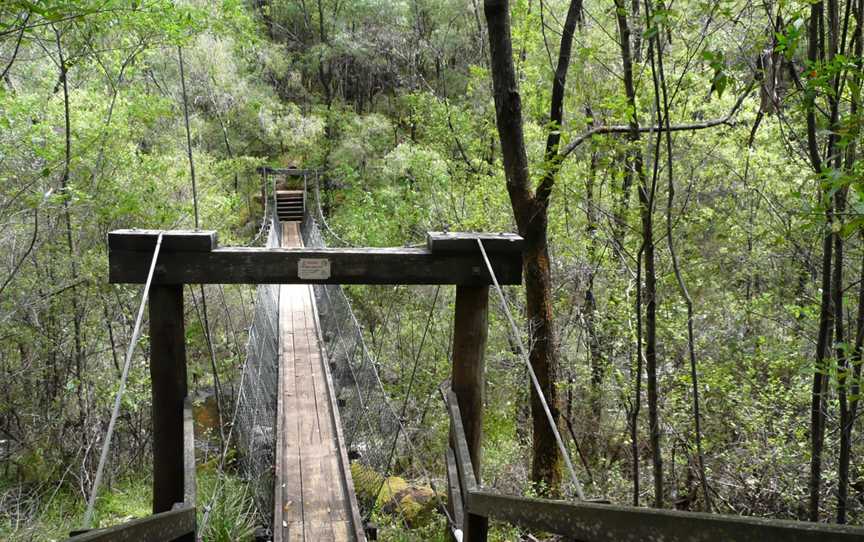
point(17, 46)
point(556, 113)
point(626, 128)
point(18, 265)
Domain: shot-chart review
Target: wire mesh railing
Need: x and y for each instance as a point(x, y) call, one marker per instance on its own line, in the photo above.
point(379, 431)
point(256, 423)
point(371, 427)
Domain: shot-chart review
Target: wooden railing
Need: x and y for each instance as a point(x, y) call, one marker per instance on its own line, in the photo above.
point(471, 507)
point(177, 524)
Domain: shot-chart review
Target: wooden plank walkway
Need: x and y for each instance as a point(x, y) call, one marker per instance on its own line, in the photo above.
point(314, 498)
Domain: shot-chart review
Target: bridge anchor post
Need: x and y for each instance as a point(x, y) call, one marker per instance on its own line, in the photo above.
point(169, 388)
point(468, 382)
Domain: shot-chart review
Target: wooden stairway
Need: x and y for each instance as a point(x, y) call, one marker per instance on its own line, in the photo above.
point(289, 205)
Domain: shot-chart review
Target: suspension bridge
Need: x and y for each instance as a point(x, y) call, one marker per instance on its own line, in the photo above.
point(310, 383)
point(314, 494)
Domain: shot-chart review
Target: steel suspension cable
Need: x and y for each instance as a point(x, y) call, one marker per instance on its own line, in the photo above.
point(515, 331)
point(188, 135)
point(118, 398)
point(320, 213)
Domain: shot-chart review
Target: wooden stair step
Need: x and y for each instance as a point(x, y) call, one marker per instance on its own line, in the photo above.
point(290, 205)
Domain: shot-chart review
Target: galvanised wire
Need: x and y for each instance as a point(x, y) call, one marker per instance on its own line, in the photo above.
point(256, 413)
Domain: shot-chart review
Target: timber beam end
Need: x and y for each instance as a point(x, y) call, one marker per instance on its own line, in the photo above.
point(437, 241)
point(172, 240)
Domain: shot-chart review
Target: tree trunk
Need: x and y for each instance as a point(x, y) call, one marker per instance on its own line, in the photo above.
point(325, 75)
point(815, 54)
point(67, 218)
point(649, 295)
point(849, 401)
point(636, 405)
point(660, 89)
point(849, 404)
point(589, 309)
point(531, 213)
point(636, 167)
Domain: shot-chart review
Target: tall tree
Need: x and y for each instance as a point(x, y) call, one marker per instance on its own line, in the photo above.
point(832, 259)
point(530, 208)
point(849, 369)
point(663, 107)
point(635, 167)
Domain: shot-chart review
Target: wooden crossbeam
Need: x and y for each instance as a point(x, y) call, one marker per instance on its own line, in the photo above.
point(194, 257)
point(285, 171)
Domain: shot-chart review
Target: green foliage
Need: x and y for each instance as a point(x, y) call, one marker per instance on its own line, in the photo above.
point(231, 517)
point(392, 100)
point(367, 482)
point(717, 61)
point(63, 330)
point(231, 513)
point(393, 530)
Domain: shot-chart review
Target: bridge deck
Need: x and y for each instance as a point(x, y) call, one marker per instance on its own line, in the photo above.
point(314, 498)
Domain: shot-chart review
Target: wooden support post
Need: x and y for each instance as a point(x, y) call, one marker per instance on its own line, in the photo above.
point(168, 375)
point(468, 381)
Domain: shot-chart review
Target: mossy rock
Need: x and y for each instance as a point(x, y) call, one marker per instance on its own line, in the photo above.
point(389, 489)
point(366, 482)
point(415, 504)
point(394, 495)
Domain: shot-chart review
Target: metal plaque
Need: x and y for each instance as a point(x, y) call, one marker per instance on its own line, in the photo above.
point(313, 268)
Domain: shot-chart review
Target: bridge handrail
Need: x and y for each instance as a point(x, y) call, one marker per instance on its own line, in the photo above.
point(595, 522)
point(178, 524)
point(459, 444)
point(592, 522)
